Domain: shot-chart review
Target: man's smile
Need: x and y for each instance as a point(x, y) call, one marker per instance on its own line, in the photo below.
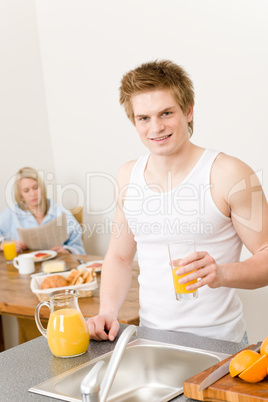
point(161, 138)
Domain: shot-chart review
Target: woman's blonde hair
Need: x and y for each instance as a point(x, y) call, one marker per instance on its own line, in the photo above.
point(162, 74)
point(30, 173)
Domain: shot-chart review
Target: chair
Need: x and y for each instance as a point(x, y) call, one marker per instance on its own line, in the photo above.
point(78, 214)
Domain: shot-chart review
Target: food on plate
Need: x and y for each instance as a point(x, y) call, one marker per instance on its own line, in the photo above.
point(248, 365)
point(53, 266)
point(54, 281)
point(76, 277)
point(94, 265)
point(41, 256)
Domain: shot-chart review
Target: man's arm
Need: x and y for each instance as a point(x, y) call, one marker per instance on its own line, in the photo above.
point(116, 273)
point(237, 192)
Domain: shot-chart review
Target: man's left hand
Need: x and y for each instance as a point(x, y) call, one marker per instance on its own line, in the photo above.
point(201, 266)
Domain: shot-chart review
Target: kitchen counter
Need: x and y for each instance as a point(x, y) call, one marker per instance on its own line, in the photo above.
point(31, 363)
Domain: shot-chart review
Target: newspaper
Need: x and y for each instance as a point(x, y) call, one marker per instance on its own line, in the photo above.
point(44, 237)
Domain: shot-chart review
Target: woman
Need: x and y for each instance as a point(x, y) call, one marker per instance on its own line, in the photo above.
point(32, 209)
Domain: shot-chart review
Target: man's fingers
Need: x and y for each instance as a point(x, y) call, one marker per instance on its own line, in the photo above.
point(96, 330)
point(196, 255)
point(102, 328)
point(113, 330)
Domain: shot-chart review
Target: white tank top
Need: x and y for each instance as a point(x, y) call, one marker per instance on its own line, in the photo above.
point(185, 212)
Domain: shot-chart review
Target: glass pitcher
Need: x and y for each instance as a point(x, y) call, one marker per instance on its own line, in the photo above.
point(67, 332)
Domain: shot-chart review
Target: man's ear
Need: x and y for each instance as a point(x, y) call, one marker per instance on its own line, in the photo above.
point(189, 113)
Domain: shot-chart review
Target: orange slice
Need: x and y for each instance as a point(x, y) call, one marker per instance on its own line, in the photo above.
point(242, 361)
point(256, 372)
point(264, 347)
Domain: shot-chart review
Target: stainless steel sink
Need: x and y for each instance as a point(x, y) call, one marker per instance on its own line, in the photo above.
point(149, 371)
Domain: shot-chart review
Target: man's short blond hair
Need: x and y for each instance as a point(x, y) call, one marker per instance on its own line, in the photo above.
point(162, 74)
point(30, 173)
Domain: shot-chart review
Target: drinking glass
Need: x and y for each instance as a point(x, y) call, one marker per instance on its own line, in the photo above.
point(9, 249)
point(177, 251)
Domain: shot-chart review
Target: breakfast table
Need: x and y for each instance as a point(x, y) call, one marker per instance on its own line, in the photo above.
point(17, 299)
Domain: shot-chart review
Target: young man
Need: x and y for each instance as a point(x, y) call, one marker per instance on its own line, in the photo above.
point(181, 191)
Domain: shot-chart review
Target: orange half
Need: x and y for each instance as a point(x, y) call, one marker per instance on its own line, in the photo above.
point(242, 361)
point(256, 372)
point(264, 347)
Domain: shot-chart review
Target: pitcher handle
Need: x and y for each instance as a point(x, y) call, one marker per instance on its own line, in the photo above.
point(37, 317)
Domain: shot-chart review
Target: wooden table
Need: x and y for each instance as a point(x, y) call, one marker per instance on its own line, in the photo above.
point(17, 299)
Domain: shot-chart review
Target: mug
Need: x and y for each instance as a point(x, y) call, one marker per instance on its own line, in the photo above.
point(24, 263)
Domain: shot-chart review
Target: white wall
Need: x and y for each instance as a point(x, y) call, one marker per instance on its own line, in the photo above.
point(70, 96)
point(24, 126)
point(86, 47)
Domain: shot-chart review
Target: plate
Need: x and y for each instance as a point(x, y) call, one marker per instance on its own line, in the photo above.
point(52, 254)
point(89, 263)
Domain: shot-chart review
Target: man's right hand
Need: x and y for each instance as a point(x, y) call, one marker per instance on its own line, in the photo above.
point(103, 327)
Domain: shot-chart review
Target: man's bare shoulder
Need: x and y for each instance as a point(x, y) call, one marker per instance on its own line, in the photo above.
point(229, 169)
point(229, 175)
point(124, 173)
point(122, 180)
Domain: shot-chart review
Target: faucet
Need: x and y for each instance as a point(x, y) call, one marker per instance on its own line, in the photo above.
point(91, 389)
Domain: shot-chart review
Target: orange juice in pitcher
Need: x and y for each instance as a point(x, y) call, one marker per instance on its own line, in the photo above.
point(67, 332)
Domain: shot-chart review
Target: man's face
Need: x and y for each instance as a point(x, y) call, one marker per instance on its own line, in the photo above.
point(160, 122)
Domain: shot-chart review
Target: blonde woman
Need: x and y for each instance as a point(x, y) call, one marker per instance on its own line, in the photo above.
point(32, 208)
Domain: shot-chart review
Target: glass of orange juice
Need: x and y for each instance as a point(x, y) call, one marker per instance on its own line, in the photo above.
point(9, 249)
point(177, 251)
point(67, 332)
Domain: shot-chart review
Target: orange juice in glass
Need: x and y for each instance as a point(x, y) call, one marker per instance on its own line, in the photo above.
point(9, 249)
point(67, 332)
point(177, 251)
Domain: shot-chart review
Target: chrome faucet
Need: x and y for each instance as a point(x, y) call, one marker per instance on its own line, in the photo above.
point(91, 389)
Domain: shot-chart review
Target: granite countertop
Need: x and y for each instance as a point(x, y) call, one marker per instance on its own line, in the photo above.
point(31, 363)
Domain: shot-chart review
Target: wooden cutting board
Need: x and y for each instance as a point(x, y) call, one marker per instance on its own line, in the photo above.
point(226, 388)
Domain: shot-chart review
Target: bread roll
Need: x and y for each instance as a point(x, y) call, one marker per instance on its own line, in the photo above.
point(54, 281)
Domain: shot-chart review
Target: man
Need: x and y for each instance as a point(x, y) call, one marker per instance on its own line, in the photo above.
point(181, 191)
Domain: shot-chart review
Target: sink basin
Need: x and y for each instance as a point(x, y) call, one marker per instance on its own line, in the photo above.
point(149, 371)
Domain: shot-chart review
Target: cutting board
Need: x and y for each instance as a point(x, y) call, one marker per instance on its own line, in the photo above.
point(226, 388)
